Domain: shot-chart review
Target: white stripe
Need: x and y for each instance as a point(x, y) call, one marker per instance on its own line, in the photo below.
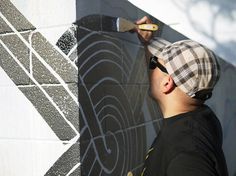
point(99, 42)
point(72, 50)
point(87, 36)
point(96, 53)
point(30, 54)
point(40, 87)
point(73, 169)
point(61, 52)
point(104, 61)
point(41, 60)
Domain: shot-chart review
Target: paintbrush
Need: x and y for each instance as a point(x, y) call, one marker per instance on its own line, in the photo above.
point(124, 25)
point(106, 23)
point(119, 24)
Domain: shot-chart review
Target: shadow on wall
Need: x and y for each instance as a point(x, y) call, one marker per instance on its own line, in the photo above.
point(118, 120)
point(224, 100)
point(218, 10)
point(223, 103)
point(112, 91)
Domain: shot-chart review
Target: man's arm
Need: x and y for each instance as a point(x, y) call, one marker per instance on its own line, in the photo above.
point(191, 164)
point(145, 36)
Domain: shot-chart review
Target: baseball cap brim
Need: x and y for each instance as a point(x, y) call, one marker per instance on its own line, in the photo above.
point(157, 45)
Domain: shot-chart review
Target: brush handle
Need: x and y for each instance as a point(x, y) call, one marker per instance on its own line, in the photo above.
point(148, 27)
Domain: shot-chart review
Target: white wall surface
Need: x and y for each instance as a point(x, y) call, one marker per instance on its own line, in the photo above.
point(52, 18)
point(210, 22)
point(28, 145)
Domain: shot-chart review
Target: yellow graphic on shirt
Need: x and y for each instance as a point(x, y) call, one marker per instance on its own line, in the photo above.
point(130, 173)
point(148, 153)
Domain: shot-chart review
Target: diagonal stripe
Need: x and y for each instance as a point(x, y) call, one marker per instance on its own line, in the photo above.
point(40, 87)
point(65, 56)
point(73, 169)
point(72, 50)
point(41, 60)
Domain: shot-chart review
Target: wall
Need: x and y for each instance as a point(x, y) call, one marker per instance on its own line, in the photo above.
point(39, 125)
point(214, 27)
point(116, 115)
point(47, 65)
point(105, 82)
point(212, 23)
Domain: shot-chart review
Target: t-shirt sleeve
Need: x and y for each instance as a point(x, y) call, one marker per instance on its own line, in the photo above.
point(190, 164)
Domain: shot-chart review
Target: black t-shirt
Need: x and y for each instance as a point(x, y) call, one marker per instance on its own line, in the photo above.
point(189, 144)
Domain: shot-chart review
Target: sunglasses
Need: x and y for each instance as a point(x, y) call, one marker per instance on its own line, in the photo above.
point(153, 63)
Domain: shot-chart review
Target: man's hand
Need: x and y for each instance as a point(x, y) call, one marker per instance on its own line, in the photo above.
point(144, 36)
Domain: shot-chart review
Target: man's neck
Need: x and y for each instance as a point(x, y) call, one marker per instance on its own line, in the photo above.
point(176, 108)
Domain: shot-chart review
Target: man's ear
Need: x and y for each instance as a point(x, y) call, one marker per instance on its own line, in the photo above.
point(168, 84)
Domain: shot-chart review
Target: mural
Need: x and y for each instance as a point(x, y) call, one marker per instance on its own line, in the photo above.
point(112, 129)
point(47, 77)
point(91, 89)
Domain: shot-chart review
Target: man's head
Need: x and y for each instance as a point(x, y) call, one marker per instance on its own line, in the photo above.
point(192, 68)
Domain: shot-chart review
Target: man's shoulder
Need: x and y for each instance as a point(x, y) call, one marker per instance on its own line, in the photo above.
point(184, 135)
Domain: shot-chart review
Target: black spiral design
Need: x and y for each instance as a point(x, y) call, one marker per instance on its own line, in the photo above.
point(107, 122)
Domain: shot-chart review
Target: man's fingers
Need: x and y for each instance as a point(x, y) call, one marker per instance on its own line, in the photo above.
point(144, 36)
point(144, 20)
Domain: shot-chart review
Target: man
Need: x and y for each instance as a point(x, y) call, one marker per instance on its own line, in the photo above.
point(182, 77)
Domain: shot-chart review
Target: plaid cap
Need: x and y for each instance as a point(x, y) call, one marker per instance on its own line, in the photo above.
point(192, 66)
